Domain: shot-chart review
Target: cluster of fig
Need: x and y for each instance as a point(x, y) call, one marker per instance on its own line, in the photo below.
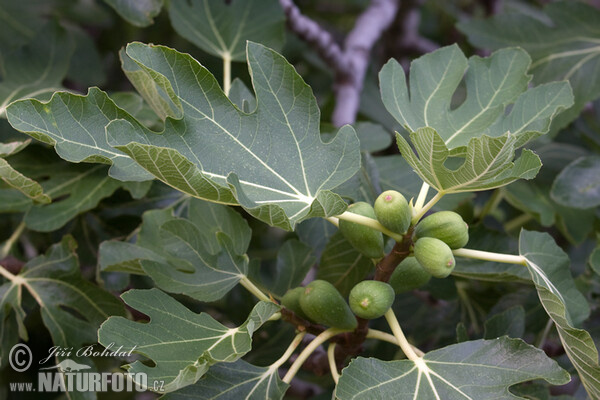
point(321, 303)
point(434, 238)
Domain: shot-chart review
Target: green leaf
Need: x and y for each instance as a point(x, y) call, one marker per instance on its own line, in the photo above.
point(563, 45)
point(25, 185)
point(578, 185)
point(37, 67)
point(272, 162)
point(478, 370)
point(201, 256)
point(294, 260)
point(234, 381)
point(342, 265)
point(492, 84)
point(75, 125)
point(73, 188)
point(594, 260)
point(487, 162)
point(549, 268)
point(72, 308)
point(137, 12)
point(510, 322)
point(182, 344)
point(222, 28)
point(396, 174)
point(373, 137)
point(17, 180)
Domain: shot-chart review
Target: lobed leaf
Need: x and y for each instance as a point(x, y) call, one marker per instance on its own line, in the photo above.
point(477, 370)
point(222, 28)
point(71, 307)
point(492, 84)
point(136, 12)
point(182, 344)
point(487, 161)
point(563, 44)
point(202, 256)
point(238, 380)
point(549, 269)
point(578, 185)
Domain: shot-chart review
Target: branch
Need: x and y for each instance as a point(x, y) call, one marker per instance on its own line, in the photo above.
point(319, 39)
point(350, 64)
point(369, 27)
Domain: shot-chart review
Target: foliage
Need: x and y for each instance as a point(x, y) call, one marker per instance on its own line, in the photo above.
point(169, 170)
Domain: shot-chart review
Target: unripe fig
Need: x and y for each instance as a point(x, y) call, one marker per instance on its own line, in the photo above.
point(366, 240)
point(323, 304)
point(371, 299)
point(291, 301)
point(393, 211)
point(409, 275)
point(435, 256)
point(447, 226)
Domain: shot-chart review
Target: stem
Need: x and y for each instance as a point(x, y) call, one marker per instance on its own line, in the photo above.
point(290, 350)
point(462, 294)
point(251, 287)
point(544, 335)
point(275, 317)
point(7, 274)
point(312, 346)
point(517, 222)
point(386, 337)
point(489, 256)
point(334, 221)
point(401, 339)
point(492, 203)
point(11, 240)
point(370, 222)
point(226, 73)
point(332, 365)
point(427, 207)
point(422, 197)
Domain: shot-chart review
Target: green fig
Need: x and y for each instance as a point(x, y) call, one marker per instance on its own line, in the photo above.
point(323, 304)
point(365, 240)
point(291, 301)
point(446, 226)
point(435, 256)
point(371, 299)
point(409, 275)
point(392, 211)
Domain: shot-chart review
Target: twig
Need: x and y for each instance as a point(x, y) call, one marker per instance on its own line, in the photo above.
point(319, 39)
point(350, 64)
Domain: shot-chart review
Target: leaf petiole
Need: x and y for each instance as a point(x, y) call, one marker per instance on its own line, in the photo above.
point(332, 365)
point(386, 337)
point(427, 207)
point(490, 256)
point(251, 287)
point(370, 222)
point(11, 240)
point(289, 351)
point(401, 339)
point(226, 73)
point(312, 346)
